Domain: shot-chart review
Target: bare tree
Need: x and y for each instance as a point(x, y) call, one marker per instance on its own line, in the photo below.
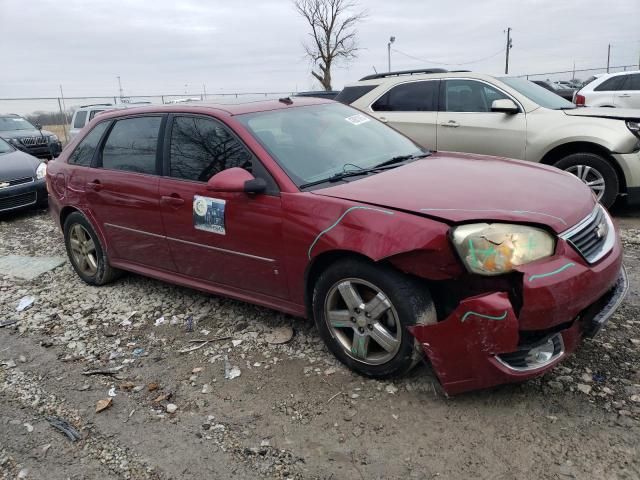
point(333, 33)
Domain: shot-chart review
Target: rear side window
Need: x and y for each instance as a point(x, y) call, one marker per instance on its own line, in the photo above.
point(83, 154)
point(612, 84)
point(350, 94)
point(132, 145)
point(81, 118)
point(409, 97)
point(202, 147)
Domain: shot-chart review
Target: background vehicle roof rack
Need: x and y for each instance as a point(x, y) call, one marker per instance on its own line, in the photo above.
point(404, 72)
point(97, 105)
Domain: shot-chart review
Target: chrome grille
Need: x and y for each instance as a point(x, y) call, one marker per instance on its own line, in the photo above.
point(33, 141)
point(17, 181)
point(593, 237)
point(17, 201)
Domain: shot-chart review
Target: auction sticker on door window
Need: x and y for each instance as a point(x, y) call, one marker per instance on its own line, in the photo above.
point(357, 119)
point(208, 214)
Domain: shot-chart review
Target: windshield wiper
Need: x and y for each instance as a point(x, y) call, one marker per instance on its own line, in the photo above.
point(402, 158)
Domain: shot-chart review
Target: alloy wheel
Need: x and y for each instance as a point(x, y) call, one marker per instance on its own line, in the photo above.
point(591, 177)
point(83, 249)
point(363, 321)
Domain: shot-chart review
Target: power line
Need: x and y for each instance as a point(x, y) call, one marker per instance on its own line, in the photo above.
point(454, 64)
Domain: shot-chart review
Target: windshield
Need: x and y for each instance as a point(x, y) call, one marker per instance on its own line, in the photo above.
point(313, 143)
point(5, 147)
point(537, 94)
point(14, 123)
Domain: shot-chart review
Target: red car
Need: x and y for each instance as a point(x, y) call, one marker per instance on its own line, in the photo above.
point(494, 269)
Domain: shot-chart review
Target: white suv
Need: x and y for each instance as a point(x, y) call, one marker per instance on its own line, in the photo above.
point(508, 117)
point(85, 114)
point(620, 90)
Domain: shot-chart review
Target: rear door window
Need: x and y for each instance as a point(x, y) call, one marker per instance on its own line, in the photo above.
point(132, 145)
point(409, 97)
point(93, 113)
point(612, 84)
point(634, 82)
point(81, 118)
point(83, 154)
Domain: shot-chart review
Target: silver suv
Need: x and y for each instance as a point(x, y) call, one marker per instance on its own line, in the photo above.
point(508, 117)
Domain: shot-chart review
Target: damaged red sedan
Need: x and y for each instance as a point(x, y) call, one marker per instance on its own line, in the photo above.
point(491, 268)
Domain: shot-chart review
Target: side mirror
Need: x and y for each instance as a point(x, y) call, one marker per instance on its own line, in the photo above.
point(236, 180)
point(504, 105)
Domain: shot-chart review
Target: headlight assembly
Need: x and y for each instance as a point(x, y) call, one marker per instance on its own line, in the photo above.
point(493, 249)
point(41, 171)
point(634, 126)
point(53, 138)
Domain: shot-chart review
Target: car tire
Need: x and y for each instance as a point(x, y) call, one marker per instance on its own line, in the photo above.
point(590, 167)
point(86, 254)
point(359, 343)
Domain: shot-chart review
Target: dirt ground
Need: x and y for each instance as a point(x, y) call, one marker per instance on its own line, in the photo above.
point(293, 412)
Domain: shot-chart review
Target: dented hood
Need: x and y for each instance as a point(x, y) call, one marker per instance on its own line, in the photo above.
point(457, 187)
point(604, 112)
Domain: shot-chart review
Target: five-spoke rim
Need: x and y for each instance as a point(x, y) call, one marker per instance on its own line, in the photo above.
point(83, 250)
point(591, 177)
point(363, 321)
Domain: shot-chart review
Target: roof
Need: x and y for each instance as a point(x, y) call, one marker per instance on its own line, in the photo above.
point(229, 109)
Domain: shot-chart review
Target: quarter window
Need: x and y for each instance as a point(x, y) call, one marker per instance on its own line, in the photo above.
point(83, 154)
point(132, 145)
point(81, 118)
point(202, 147)
point(470, 96)
point(409, 97)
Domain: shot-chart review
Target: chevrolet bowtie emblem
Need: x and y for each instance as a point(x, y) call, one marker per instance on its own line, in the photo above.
point(4, 184)
point(601, 230)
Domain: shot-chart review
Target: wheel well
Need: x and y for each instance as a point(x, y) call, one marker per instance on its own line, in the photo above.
point(65, 212)
point(562, 151)
point(318, 265)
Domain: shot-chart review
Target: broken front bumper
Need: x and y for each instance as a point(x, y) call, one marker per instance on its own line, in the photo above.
point(484, 342)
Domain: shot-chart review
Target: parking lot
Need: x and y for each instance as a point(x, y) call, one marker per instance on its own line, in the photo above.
point(294, 411)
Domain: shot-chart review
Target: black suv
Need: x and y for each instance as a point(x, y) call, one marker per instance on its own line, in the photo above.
point(29, 138)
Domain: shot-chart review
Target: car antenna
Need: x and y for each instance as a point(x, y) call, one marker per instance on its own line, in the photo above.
point(286, 100)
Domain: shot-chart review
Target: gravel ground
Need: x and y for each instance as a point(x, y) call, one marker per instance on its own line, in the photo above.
point(293, 412)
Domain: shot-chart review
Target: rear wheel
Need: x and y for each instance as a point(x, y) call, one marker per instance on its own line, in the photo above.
point(87, 256)
point(595, 172)
point(362, 311)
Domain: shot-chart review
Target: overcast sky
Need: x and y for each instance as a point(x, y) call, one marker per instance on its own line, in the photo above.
point(161, 46)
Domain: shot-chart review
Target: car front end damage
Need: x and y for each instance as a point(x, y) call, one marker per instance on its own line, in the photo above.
point(516, 326)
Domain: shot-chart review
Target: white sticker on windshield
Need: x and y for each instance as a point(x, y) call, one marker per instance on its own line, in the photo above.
point(357, 119)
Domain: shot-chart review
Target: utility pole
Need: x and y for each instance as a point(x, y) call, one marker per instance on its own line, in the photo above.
point(608, 57)
point(574, 71)
point(120, 88)
point(391, 40)
point(509, 46)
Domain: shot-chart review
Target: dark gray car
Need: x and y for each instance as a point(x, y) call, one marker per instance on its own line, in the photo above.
point(29, 138)
point(22, 179)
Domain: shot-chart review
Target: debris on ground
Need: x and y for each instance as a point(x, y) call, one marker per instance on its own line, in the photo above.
point(103, 404)
point(230, 372)
point(25, 303)
point(65, 427)
point(279, 335)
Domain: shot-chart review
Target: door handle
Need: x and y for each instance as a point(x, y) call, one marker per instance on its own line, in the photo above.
point(95, 185)
point(450, 123)
point(173, 200)
point(624, 95)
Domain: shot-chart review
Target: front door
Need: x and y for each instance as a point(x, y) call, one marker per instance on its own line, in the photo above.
point(467, 124)
point(122, 191)
point(225, 238)
point(629, 94)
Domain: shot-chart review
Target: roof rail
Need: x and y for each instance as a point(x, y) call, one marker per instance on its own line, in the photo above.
point(97, 105)
point(404, 72)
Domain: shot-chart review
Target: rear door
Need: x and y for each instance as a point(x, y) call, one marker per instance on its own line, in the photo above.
point(629, 94)
point(412, 108)
point(605, 94)
point(225, 238)
point(467, 124)
point(122, 191)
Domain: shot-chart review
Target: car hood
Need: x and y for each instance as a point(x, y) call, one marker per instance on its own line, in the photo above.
point(456, 187)
point(6, 134)
point(17, 165)
point(603, 112)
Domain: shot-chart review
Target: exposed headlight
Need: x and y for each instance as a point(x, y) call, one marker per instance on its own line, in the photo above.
point(634, 126)
point(53, 138)
point(41, 171)
point(493, 249)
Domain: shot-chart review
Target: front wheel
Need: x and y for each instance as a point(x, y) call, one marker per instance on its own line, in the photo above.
point(362, 310)
point(595, 172)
